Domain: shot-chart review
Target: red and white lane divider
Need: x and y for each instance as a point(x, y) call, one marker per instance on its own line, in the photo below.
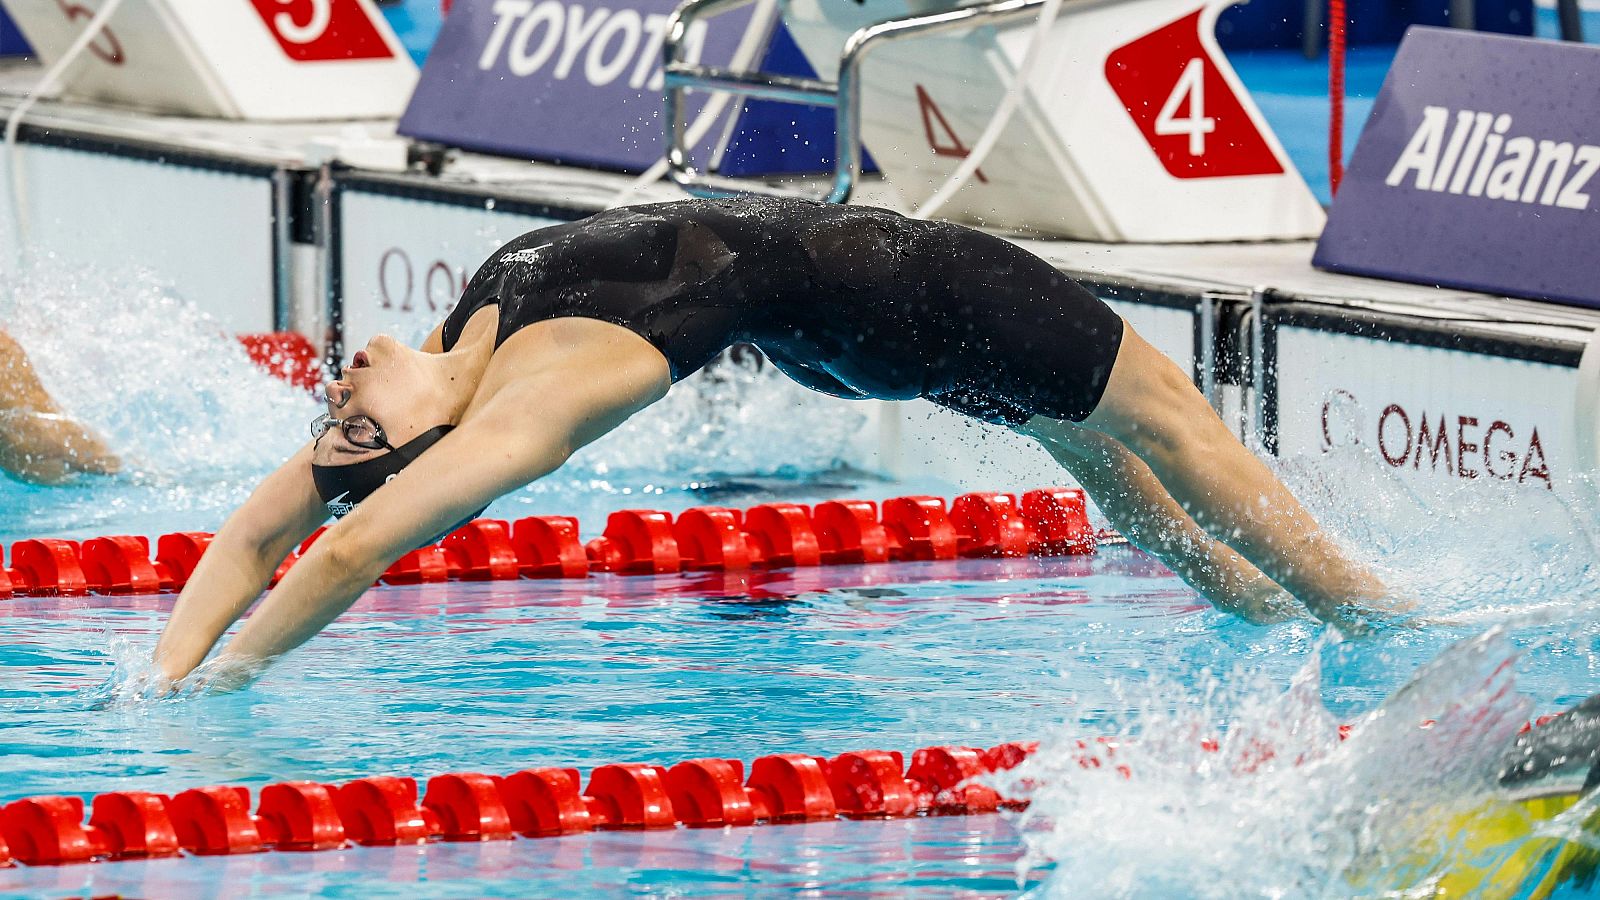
point(471, 806)
point(1044, 522)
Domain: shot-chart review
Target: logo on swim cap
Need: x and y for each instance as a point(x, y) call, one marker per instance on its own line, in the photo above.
point(342, 488)
point(338, 508)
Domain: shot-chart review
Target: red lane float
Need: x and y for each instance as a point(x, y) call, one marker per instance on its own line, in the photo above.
point(918, 528)
point(469, 806)
point(287, 355)
point(710, 538)
point(781, 534)
point(1046, 522)
point(548, 547)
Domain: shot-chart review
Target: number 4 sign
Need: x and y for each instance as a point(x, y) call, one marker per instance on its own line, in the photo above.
point(1183, 106)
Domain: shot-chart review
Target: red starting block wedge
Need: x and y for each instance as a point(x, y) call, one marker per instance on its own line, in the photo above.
point(630, 796)
point(1059, 521)
point(481, 550)
point(548, 547)
point(782, 535)
point(6, 589)
point(791, 787)
point(180, 553)
point(215, 821)
point(49, 568)
point(425, 565)
point(5, 853)
point(990, 525)
point(135, 825)
point(49, 831)
point(469, 807)
point(870, 784)
point(848, 531)
point(543, 802)
point(120, 565)
point(641, 542)
point(710, 793)
point(383, 811)
point(709, 537)
point(940, 777)
point(299, 815)
point(918, 528)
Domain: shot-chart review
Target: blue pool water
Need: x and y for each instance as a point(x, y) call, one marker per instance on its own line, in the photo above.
point(501, 676)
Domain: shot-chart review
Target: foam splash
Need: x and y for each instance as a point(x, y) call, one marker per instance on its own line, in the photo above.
point(173, 392)
point(1469, 550)
point(1280, 806)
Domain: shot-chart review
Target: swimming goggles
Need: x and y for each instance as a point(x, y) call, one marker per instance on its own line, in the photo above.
point(361, 431)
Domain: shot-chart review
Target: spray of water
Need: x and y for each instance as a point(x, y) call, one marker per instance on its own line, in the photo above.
point(174, 393)
point(1275, 804)
point(1468, 549)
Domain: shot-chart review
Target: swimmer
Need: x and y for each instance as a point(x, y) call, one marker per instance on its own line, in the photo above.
point(567, 331)
point(38, 443)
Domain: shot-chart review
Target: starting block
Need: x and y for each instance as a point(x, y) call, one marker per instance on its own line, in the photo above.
point(240, 59)
point(1133, 126)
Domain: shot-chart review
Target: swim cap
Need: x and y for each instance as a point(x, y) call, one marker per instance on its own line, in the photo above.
point(343, 487)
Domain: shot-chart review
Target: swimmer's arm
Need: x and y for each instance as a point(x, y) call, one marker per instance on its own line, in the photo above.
point(239, 563)
point(467, 469)
point(37, 442)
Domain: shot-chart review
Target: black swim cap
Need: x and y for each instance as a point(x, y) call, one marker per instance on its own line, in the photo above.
point(343, 487)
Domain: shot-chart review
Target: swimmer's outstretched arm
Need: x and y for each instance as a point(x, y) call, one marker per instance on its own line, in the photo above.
point(240, 561)
point(37, 442)
point(526, 428)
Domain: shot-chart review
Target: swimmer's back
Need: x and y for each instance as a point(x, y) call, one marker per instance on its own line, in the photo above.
point(854, 301)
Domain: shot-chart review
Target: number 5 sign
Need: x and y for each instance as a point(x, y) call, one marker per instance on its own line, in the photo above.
point(1183, 106)
point(322, 30)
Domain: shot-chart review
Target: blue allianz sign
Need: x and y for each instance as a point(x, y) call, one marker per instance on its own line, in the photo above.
point(571, 81)
point(1479, 169)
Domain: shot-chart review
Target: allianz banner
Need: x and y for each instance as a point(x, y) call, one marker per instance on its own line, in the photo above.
point(572, 81)
point(1479, 169)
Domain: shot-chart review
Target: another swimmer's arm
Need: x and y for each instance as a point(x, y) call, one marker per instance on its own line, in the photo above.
point(239, 563)
point(37, 442)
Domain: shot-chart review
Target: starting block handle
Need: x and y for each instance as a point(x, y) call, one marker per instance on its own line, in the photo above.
point(845, 96)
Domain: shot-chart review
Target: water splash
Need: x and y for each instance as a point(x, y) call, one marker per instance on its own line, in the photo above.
point(1471, 550)
point(174, 393)
point(1276, 804)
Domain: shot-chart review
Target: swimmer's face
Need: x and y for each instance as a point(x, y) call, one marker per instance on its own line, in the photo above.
point(385, 381)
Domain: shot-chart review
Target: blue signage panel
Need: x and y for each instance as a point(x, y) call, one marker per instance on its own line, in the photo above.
point(573, 81)
point(1479, 169)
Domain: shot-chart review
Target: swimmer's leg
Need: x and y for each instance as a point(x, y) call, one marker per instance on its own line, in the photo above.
point(1152, 408)
point(1130, 495)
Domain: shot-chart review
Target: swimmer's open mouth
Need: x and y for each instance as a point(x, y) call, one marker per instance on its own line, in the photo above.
point(359, 361)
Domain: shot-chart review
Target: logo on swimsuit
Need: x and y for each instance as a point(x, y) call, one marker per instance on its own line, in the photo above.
point(1476, 158)
point(339, 508)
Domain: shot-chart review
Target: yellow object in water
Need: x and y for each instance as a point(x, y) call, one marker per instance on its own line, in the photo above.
point(1512, 848)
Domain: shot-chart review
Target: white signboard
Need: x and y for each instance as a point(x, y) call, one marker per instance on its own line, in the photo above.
point(1425, 412)
point(206, 232)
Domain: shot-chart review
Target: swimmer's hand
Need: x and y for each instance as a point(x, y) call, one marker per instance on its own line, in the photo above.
point(1358, 619)
point(222, 675)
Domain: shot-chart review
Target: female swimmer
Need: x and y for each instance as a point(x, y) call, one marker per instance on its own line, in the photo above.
point(567, 331)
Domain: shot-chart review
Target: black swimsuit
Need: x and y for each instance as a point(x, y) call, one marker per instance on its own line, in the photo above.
point(851, 301)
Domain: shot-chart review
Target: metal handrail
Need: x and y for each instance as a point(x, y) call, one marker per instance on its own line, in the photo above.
point(844, 95)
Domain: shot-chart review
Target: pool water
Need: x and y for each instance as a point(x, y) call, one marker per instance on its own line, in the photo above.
point(501, 676)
